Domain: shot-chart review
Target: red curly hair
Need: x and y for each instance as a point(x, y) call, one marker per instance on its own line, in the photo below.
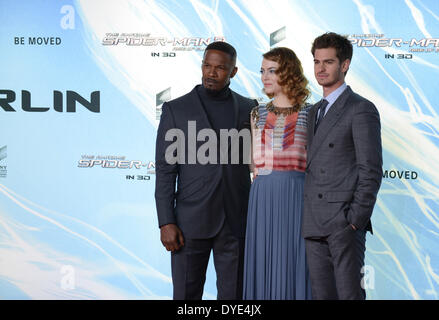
point(290, 73)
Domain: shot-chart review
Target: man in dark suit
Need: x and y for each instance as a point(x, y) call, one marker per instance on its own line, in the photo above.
point(343, 175)
point(208, 211)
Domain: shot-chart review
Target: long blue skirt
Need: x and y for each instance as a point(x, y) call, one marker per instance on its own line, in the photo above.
point(275, 262)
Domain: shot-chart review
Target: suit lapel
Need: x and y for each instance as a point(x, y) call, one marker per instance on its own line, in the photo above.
point(312, 123)
point(235, 120)
point(200, 108)
point(328, 122)
point(235, 110)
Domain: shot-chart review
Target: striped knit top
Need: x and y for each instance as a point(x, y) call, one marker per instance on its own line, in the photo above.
point(279, 140)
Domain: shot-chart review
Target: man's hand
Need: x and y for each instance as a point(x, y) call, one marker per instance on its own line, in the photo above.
point(171, 237)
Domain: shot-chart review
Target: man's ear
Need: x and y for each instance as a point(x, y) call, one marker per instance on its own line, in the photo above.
point(345, 65)
point(234, 71)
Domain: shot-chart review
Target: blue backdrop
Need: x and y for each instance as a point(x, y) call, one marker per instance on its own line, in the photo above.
point(77, 211)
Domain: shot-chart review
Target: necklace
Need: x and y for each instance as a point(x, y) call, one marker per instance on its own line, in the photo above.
point(277, 110)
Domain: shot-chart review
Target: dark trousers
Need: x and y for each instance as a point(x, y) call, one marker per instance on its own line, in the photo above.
point(189, 266)
point(335, 265)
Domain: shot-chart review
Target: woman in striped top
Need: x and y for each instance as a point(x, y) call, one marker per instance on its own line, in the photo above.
point(275, 264)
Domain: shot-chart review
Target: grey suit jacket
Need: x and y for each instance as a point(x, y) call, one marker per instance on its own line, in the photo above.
point(344, 166)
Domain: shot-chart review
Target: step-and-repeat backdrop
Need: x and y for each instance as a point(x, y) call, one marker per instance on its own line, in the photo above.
point(81, 88)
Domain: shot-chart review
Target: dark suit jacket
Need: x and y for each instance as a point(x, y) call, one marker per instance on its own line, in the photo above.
point(207, 194)
point(344, 166)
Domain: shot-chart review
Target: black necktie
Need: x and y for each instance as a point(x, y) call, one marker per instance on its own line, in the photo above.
point(322, 109)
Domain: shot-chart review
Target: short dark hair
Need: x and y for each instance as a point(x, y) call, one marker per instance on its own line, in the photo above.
point(341, 44)
point(224, 47)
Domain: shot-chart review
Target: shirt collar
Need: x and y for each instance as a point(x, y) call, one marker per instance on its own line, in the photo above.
point(335, 94)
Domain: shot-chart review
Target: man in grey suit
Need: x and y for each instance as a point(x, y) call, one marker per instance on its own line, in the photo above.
point(343, 175)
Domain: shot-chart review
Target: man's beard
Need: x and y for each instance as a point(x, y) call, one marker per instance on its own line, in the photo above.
point(214, 92)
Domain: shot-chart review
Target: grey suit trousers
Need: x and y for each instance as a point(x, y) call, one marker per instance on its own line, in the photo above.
point(335, 264)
